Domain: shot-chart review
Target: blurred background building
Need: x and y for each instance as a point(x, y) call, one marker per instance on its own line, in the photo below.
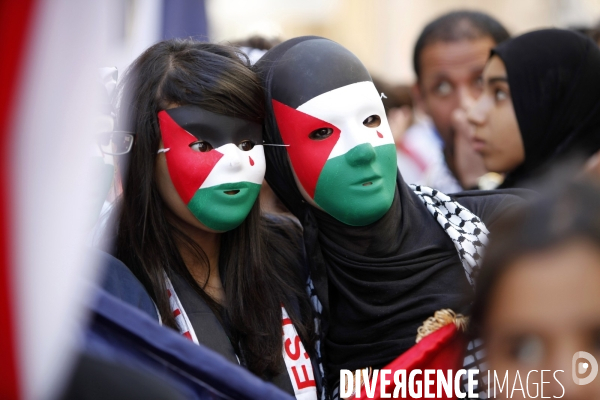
point(381, 33)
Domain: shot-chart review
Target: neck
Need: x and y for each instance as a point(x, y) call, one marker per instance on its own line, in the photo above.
point(204, 270)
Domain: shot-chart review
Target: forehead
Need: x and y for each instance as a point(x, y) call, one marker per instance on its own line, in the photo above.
point(357, 97)
point(311, 68)
point(554, 288)
point(215, 128)
point(455, 60)
point(495, 67)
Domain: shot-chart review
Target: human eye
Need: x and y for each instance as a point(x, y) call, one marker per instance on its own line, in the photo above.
point(246, 145)
point(527, 349)
point(443, 88)
point(320, 134)
point(201, 146)
point(372, 121)
point(500, 95)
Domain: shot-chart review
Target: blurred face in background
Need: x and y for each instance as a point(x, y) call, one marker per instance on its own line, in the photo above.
point(497, 136)
point(449, 78)
point(543, 310)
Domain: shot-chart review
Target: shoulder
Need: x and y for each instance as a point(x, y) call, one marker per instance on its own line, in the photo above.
point(492, 205)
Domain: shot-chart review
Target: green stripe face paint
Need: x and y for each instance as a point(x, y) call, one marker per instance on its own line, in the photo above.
point(342, 152)
point(221, 211)
point(358, 194)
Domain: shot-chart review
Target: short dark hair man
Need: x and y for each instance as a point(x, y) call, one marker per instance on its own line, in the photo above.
point(448, 59)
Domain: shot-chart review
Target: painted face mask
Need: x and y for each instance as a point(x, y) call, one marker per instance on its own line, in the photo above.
point(216, 163)
point(339, 142)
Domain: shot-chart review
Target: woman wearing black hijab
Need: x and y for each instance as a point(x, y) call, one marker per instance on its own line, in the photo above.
point(381, 260)
point(540, 105)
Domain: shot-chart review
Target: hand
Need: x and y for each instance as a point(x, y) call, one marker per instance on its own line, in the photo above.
point(468, 164)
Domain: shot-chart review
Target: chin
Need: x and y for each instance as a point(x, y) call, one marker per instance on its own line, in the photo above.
point(377, 209)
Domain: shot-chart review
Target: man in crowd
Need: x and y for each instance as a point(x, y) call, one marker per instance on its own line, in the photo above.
point(449, 57)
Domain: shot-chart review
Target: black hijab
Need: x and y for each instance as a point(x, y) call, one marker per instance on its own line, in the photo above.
point(554, 79)
point(379, 282)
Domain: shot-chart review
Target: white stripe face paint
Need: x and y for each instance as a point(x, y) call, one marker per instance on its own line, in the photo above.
point(237, 165)
point(347, 108)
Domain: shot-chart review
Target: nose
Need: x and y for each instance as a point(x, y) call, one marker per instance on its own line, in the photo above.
point(361, 155)
point(233, 158)
point(235, 163)
point(476, 114)
point(466, 99)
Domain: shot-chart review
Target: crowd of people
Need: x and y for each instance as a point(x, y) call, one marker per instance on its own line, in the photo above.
point(378, 203)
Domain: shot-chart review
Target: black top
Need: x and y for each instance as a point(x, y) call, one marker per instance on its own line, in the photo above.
point(377, 283)
point(209, 330)
point(385, 279)
point(554, 82)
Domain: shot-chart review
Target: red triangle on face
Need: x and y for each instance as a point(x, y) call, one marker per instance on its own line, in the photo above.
point(188, 168)
point(306, 155)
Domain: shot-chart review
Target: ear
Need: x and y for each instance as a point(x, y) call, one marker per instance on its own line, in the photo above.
point(418, 98)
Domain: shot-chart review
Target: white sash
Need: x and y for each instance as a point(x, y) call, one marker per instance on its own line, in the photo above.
point(297, 360)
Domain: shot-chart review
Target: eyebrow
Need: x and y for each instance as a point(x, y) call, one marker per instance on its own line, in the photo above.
point(495, 79)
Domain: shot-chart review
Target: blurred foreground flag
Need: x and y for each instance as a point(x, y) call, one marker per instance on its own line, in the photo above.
point(50, 53)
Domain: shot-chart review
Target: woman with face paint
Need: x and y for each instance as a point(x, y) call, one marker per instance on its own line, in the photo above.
point(190, 227)
point(540, 104)
point(383, 257)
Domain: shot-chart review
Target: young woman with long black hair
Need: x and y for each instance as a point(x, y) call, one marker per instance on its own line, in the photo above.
point(189, 223)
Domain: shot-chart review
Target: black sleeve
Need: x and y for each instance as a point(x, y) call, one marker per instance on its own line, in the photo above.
point(492, 205)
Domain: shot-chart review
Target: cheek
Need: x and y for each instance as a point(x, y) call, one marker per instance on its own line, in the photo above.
point(169, 194)
point(440, 110)
point(307, 156)
point(498, 356)
point(505, 141)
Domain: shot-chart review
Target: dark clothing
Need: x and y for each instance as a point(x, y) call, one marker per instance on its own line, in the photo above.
point(210, 332)
point(120, 282)
point(386, 278)
point(554, 82)
point(377, 283)
point(98, 379)
point(121, 335)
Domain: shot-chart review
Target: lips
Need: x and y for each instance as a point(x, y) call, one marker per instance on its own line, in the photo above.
point(234, 191)
point(479, 145)
point(368, 181)
point(234, 186)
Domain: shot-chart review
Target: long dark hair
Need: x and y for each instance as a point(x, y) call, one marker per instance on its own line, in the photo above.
point(259, 262)
point(569, 211)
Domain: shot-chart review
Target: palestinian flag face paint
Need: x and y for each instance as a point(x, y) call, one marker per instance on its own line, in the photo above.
point(215, 162)
point(342, 151)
